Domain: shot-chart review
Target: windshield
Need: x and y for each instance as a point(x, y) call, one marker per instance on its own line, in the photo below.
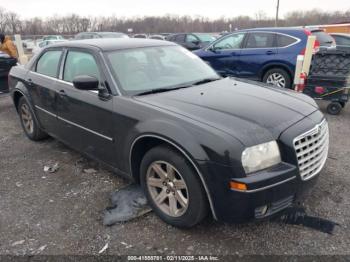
point(206, 37)
point(151, 68)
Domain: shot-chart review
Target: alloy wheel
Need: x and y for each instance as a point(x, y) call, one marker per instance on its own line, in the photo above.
point(27, 119)
point(167, 188)
point(276, 79)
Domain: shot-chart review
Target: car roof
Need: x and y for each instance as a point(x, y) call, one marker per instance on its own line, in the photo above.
point(111, 44)
point(273, 29)
point(340, 34)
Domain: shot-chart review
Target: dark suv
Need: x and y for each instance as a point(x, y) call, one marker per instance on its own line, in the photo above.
point(192, 41)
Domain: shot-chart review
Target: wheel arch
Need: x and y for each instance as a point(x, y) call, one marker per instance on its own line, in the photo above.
point(275, 65)
point(143, 143)
point(16, 97)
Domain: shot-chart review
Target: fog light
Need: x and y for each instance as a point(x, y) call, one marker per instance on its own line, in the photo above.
point(261, 211)
point(238, 186)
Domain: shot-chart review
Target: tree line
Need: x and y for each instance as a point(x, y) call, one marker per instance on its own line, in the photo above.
point(11, 22)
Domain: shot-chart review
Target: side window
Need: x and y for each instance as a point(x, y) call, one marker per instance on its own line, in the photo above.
point(48, 63)
point(284, 40)
point(180, 38)
point(191, 38)
point(80, 63)
point(340, 40)
point(261, 40)
point(230, 42)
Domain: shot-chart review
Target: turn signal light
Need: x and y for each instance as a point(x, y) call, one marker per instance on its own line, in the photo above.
point(238, 186)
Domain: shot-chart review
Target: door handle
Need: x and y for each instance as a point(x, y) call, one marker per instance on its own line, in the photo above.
point(62, 93)
point(270, 52)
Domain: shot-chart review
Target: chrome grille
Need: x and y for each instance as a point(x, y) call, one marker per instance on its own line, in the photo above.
point(312, 150)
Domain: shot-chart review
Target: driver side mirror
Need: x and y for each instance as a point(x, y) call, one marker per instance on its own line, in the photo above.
point(85, 82)
point(212, 48)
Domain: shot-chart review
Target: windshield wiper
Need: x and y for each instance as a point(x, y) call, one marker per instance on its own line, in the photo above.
point(161, 90)
point(205, 80)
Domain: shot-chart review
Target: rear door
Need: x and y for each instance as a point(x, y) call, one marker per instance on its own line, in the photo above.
point(41, 83)
point(224, 55)
point(259, 49)
point(85, 119)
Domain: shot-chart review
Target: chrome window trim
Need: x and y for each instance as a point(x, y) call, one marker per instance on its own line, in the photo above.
point(298, 40)
point(75, 124)
point(187, 157)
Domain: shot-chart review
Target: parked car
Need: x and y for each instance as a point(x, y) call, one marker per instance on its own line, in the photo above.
point(157, 37)
point(6, 62)
point(91, 35)
point(140, 36)
point(157, 114)
point(53, 37)
point(46, 43)
point(192, 41)
point(342, 41)
point(324, 39)
point(263, 54)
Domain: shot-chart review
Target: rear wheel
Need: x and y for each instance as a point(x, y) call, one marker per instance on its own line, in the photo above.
point(334, 108)
point(277, 77)
point(29, 124)
point(173, 188)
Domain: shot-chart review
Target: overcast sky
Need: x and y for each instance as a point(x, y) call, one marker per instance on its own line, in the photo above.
point(127, 8)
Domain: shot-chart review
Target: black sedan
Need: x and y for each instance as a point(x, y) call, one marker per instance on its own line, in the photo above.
point(157, 114)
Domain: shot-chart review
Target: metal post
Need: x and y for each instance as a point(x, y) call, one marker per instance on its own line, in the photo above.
point(277, 10)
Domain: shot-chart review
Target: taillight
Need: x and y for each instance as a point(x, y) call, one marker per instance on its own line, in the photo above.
point(316, 47)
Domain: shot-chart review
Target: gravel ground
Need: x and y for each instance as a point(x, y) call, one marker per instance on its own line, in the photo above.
point(60, 213)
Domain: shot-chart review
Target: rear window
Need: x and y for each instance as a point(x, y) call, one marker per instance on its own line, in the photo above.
point(48, 63)
point(284, 40)
point(322, 37)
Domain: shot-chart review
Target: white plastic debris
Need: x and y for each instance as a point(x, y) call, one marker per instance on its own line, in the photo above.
point(16, 243)
point(51, 169)
point(90, 171)
point(41, 249)
point(103, 249)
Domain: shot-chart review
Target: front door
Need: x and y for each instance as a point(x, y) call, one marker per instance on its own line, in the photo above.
point(85, 117)
point(224, 55)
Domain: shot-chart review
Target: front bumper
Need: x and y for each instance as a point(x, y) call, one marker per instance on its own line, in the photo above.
point(275, 188)
point(268, 191)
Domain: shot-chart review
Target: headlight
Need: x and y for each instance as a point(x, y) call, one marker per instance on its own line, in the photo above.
point(260, 157)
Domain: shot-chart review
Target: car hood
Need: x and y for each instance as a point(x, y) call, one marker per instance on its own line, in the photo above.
point(251, 112)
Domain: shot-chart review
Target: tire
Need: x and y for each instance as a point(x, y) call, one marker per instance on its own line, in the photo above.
point(182, 184)
point(277, 77)
point(334, 108)
point(28, 121)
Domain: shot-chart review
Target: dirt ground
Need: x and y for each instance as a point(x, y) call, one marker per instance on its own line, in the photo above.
point(60, 213)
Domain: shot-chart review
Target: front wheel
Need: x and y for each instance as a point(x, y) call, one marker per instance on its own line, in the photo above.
point(277, 77)
point(173, 188)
